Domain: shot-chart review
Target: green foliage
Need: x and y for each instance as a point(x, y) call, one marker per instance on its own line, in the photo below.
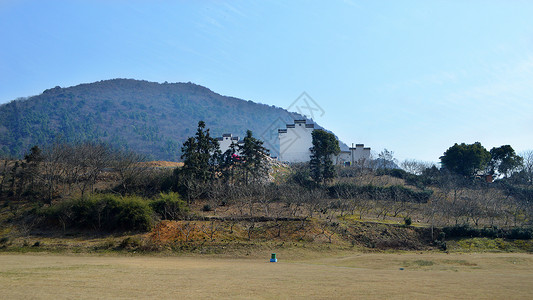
point(117, 112)
point(504, 160)
point(253, 158)
point(130, 243)
point(169, 206)
point(105, 212)
point(459, 231)
point(301, 175)
point(325, 145)
point(200, 155)
point(466, 159)
point(407, 221)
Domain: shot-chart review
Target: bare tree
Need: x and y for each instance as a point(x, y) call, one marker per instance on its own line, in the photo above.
point(415, 166)
point(187, 228)
point(211, 229)
point(527, 166)
point(129, 168)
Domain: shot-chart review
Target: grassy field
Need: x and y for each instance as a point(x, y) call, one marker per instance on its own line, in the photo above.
point(352, 275)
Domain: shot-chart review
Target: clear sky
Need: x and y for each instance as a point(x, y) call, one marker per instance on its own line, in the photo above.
point(414, 77)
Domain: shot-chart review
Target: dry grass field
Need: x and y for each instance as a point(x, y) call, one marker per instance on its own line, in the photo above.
point(296, 275)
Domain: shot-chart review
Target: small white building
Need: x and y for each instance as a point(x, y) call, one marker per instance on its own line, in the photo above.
point(226, 140)
point(355, 155)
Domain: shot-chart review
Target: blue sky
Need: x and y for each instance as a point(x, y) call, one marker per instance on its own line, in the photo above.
point(414, 77)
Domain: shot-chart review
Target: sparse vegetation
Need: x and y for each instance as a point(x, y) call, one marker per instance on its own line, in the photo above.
point(232, 198)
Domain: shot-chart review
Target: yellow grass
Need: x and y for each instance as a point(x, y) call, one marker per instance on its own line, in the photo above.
point(338, 275)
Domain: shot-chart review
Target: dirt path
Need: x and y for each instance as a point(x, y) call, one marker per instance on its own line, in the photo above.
point(367, 276)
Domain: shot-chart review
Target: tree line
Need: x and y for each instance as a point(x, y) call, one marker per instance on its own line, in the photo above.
point(239, 184)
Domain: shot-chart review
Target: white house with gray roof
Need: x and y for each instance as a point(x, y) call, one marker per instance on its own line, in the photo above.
point(295, 143)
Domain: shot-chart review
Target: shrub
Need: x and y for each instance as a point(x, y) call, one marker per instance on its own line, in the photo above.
point(407, 221)
point(207, 207)
point(169, 206)
point(491, 232)
point(130, 243)
point(101, 212)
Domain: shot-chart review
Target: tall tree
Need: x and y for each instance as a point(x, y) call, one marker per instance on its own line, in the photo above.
point(253, 156)
point(229, 163)
point(527, 166)
point(325, 145)
point(504, 160)
point(200, 155)
point(466, 159)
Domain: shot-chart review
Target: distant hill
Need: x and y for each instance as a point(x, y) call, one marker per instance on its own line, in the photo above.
point(146, 117)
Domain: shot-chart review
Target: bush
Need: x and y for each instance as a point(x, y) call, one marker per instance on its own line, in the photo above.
point(130, 243)
point(169, 206)
point(407, 221)
point(490, 232)
point(101, 212)
point(207, 207)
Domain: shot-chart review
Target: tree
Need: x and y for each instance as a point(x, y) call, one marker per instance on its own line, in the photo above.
point(466, 159)
point(386, 160)
point(200, 155)
point(253, 156)
point(504, 160)
point(325, 145)
point(527, 166)
point(229, 162)
point(30, 167)
point(416, 167)
point(130, 171)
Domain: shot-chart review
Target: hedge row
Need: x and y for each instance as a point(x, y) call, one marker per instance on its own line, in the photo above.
point(109, 212)
point(391, 193)
point(489, 232)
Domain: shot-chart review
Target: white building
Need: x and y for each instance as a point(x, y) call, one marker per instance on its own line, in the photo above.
point(226, 140)
point(355, 155)
point(295, 142)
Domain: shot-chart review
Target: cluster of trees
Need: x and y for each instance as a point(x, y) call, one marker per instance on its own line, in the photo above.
point(68, 177)
point(473, 159)
point(205, 165)
point(63, 171)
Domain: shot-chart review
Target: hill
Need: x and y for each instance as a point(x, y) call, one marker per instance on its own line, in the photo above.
point(146, 117)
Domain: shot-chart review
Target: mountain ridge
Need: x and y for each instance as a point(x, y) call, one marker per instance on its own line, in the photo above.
point(147, 117)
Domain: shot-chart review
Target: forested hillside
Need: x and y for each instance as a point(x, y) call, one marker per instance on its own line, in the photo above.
point(146, 117)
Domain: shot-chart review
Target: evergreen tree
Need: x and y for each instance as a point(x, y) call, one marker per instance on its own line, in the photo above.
point(229, 162)
point(504, 160)
point(253, 156)
point(466, 160)
point(325, 145)
point(201, 154)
